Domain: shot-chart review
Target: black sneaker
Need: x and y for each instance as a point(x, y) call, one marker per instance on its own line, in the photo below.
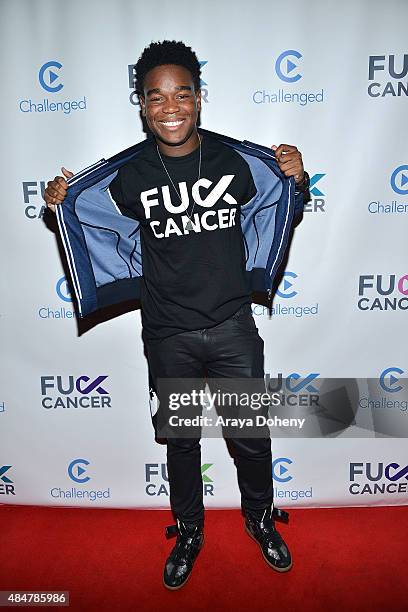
point(274, 550)
point(178, 567)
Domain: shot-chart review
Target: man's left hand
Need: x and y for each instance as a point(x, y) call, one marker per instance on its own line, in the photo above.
point(290, 161)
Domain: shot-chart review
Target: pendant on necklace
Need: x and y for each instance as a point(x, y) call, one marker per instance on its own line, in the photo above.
point(189, 225)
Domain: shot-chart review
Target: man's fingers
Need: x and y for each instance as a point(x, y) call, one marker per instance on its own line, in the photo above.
point(290, 161)
point(289, 164)
point(57, 195)
point(55, 191)
point(289, 158)
point(291, 169)
point(67, 173)
point(61, 181)
point(293, 161)
point(284, 148)
point(57, 186)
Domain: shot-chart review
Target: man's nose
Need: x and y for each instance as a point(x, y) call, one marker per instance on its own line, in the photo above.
point(171, 106)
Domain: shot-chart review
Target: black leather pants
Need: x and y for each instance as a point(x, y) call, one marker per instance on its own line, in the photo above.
point(232, 349)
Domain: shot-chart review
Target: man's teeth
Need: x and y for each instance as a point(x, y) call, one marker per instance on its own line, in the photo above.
point(172, 123)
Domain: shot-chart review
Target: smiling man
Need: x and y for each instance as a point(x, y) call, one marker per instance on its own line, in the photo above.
point(187, 190)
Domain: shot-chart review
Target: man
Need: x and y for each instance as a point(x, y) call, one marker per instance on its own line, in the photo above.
point(195, 296)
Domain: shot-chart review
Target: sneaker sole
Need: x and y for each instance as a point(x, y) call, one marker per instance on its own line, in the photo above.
point(277, 569)
point(176, 588)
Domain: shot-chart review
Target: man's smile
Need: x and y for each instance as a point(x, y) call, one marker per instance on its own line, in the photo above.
point(171, 123)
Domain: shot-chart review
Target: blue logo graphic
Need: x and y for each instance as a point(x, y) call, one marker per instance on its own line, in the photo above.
point(76, 463)
point(282, 291)
point(4, 469)
point(283, 69)
point(47, 77)
point(399, 180)
point(62, 290)
point(402, 473)
point(388, 385)
point(305, 382)
point(279, 471)
point(203, 83)
point(313, 189)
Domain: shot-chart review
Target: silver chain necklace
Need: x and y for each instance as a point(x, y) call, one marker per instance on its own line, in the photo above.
point(189, 225)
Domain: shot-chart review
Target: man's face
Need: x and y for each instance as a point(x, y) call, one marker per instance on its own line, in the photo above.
point(171, 107)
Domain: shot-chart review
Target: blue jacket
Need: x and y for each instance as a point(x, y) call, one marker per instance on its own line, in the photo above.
point(103, 246)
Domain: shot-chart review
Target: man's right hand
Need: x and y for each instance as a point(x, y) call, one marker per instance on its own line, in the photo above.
point(57, 190)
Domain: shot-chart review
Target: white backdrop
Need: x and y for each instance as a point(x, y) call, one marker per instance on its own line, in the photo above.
point(272, 73)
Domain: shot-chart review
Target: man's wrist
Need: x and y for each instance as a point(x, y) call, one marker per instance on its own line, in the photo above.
point(304, 184)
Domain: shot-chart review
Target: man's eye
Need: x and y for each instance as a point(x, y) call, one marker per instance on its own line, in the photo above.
point(154, 99)
point(184, 96)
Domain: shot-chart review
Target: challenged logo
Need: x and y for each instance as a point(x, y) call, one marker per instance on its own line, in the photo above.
point(283, 290)
point(399, 180)
point(47, 76)
point(75, 470)
point(62, 290)
point(385, 395)
point(286, 291)
point(284, 66)
point(58, 311)
point(287, 70)
point(388, 380)
point(279, 470)
point(281, 476)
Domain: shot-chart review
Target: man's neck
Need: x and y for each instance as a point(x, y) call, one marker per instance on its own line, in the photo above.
point(190, 145)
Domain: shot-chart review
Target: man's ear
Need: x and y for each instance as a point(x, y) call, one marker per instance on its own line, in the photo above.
point(142, 103)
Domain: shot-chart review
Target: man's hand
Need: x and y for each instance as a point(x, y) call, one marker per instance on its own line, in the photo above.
point(290, 161)
point(57, 190)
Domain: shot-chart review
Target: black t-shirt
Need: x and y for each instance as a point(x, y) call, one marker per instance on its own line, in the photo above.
point(192, 278)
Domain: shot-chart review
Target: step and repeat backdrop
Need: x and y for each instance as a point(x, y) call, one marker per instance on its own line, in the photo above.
point(331, 78)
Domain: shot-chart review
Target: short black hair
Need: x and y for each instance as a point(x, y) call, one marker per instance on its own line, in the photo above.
point(166, 52)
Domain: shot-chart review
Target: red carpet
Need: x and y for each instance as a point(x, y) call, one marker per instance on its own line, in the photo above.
point(350, 559)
